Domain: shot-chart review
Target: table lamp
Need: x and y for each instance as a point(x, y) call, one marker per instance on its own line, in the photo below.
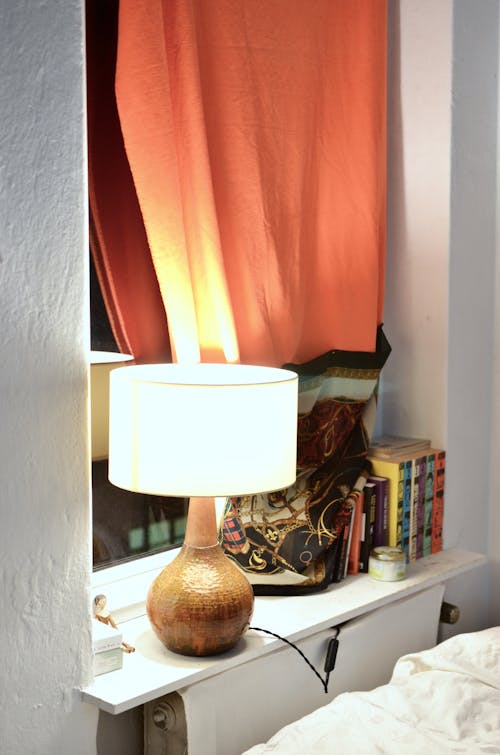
point(202, 431)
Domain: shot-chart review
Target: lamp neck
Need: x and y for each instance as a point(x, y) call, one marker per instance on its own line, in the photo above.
point(201, 524)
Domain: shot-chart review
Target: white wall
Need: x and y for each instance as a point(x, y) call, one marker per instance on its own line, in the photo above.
point(414, 389)
point(470, 397)
point(440, 304)
point(472, 266)
point(494, 524)
point(45, 548)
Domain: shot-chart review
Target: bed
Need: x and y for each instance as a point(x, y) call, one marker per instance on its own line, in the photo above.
point(442, 700)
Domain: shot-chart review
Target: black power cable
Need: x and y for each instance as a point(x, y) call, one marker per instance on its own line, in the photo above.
point(331, 654)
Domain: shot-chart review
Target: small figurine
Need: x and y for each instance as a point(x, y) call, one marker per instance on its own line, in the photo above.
point(103, 615)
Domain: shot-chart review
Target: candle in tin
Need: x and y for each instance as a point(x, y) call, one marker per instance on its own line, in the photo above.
point(387, 564)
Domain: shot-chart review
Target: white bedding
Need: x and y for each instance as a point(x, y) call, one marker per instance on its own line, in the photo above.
point(443, 700)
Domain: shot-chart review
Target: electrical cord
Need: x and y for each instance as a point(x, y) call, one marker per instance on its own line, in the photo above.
point(331, 654)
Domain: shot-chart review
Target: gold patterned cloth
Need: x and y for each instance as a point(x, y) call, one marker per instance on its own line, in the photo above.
point(288, 541)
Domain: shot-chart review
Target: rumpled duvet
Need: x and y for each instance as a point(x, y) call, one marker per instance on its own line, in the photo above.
point(442, 700)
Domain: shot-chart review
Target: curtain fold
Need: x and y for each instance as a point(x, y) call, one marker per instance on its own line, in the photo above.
point(118, 240)
point(255, 135)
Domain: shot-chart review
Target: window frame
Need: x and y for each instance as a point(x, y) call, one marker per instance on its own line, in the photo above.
point(126, 585)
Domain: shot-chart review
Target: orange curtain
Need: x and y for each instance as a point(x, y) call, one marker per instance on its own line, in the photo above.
point(255, 134)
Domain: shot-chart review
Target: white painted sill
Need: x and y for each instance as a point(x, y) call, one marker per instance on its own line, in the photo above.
point(153, 671)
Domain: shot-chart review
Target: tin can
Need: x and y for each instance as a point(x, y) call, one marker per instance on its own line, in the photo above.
point(387, 564)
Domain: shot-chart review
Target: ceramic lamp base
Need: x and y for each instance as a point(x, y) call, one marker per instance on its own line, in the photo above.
point(201, 603)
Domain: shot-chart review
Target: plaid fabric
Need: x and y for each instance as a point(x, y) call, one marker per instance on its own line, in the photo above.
point(233, 534)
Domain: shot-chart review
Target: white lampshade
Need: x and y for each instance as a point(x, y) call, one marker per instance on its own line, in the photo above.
point(202, 430)
point(101, 364)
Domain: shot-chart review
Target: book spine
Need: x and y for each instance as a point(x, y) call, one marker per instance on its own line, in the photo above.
point(428, 505)
point(340, 564)
point(369, 503)
point(438, 503)
point(407, 507)
point(355, 545)
point(380, 532)
point(422, 467)
point(413, 511)
point(398, 540)
point(393, 471)
point(340, 567)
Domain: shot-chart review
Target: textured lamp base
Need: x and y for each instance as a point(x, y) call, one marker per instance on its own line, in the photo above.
point(200, 604)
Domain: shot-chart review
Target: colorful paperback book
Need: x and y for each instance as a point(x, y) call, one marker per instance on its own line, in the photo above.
point(367, 526)
point(393, 470)
point(417, 515)
point(421, 471)
point(388, 446)
point(380, 530)
point(438, 504)
point(428, 505)
point(408, 476)
point(411, 499)
point(345, 555)
point(342, 554)
point(355, 545)
point(415, 470)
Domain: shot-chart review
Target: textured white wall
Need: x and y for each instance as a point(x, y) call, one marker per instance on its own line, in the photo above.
point(494, 524)
point(419, 116)
point(470, 396)
point(441, 255)
point(45, 548)
point(472, 268)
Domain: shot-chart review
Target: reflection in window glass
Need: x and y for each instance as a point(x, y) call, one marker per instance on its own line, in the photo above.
point(129, 525)
point(126, 525)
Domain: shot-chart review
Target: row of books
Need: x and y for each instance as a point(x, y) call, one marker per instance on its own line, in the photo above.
point(402, 505)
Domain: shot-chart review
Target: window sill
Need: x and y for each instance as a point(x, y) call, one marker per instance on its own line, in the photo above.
point(126, 585)
point(153, 671)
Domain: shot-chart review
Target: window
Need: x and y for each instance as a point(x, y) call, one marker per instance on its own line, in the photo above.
point(126, 525)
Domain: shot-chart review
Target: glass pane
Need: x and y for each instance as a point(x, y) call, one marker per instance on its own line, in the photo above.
point(126, 525)
point(130, 525)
